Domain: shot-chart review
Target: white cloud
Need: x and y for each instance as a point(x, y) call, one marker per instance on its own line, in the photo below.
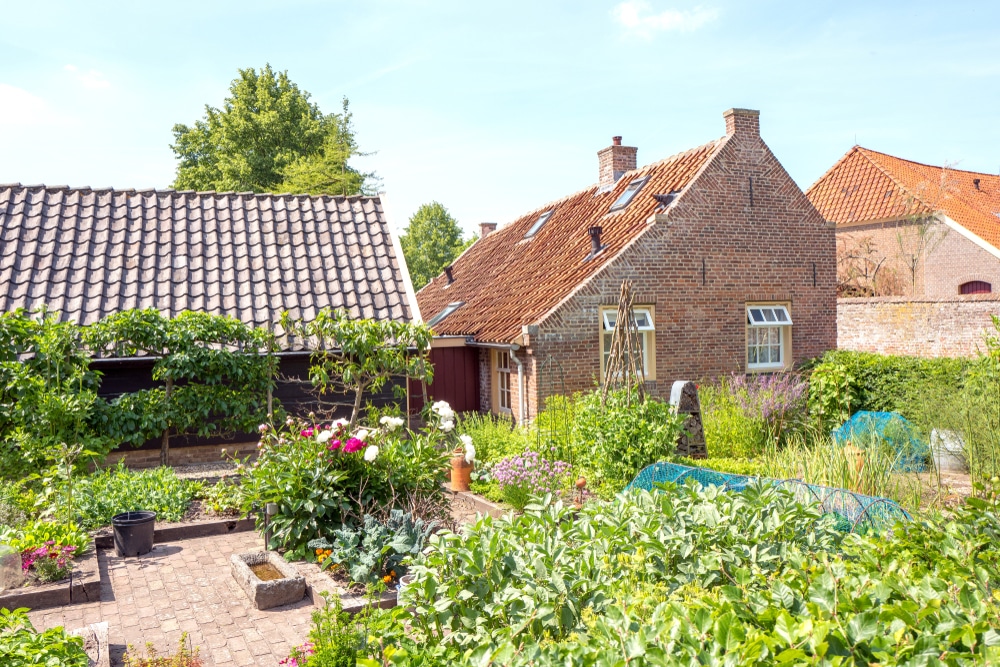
point(91, 79)
point(637, 17)
point(20, 107)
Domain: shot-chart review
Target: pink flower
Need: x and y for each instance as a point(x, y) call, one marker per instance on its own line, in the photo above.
point(353, 445)
point(306, 432)
point(334, 446)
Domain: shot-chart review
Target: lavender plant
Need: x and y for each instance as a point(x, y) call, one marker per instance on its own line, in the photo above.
point(521, 477)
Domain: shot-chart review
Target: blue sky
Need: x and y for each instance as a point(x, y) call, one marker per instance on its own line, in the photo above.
point(495, 108)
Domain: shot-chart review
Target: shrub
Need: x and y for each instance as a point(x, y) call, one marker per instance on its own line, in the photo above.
point(743, 414)
point(22, 646)
point(618, 439)
point(37, 534)
point(495, 437)
point(17, 503)
point(324, 476)
point(112, 491)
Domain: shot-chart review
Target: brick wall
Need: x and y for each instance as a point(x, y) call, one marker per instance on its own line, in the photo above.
point(926, 259)
point(921, 327)
point(776, 249)
point(150, 458)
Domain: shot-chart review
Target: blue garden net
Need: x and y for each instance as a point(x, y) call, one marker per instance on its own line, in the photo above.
point(856, 513)
point(865, 429)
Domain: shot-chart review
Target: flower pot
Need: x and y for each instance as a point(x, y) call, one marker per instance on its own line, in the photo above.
point(404, 581)
point(133, 532)
point(461, 471)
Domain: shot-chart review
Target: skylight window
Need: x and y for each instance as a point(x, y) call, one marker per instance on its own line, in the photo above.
point(542, 219)
point(448, 310)
point(630, 192)
point(768, 316)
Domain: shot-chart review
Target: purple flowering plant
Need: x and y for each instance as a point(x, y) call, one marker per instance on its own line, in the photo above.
point(528, 474)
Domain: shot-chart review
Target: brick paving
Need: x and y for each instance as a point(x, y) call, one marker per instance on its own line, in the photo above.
point(182, 587)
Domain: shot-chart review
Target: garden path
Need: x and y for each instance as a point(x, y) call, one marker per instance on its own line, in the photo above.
point(186, 587)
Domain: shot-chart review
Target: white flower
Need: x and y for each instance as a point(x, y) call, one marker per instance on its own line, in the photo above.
point(391, 423)
point(323, 436)
point(289, 421)
point(466, 440)
point(338, 423)
point(470, 453)
point(262, 428)
point(443, 410)
point(447, 425)
point(370, 453)
point(361, 435)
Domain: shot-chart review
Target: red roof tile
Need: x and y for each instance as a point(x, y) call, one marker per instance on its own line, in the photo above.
point(506, 281)
point(868, 185)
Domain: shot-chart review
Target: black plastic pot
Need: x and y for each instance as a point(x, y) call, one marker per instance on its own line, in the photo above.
point(133, 533)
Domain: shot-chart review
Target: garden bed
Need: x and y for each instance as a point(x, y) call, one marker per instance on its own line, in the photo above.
point(352, 598)
point(185, 530)
point(83, 585)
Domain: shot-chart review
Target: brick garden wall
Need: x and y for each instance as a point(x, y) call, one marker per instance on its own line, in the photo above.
point(698, 268)
point(951, 327)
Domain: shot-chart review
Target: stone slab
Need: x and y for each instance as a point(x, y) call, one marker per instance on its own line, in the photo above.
point(96, 634)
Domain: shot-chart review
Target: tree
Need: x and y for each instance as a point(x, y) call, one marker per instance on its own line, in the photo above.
point(266, 132)
point(431, 242)
point(217, 373)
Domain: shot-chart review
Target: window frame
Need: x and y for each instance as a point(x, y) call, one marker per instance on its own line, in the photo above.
point(537, 225)
point(628, 194)
point(781, 325)
point(501, 376)
point(445, 312)
point(608, 315)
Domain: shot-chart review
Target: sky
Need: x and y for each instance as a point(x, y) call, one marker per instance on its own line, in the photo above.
point(495, 108)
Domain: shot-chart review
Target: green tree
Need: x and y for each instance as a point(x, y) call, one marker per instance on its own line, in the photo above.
point(431, 242)
point(267, 132)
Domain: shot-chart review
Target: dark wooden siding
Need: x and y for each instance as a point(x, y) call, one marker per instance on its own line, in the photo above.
point(456, 379)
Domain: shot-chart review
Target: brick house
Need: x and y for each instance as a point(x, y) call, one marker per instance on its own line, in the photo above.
point(733, 271)
point(918, 253)
point(923, 231)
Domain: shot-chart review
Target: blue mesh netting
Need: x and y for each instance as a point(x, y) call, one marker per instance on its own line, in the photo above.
point(866, 428)
point(855, 512)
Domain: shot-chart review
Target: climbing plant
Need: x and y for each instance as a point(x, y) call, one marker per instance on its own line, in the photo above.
point(354, 356)
point(217, 375)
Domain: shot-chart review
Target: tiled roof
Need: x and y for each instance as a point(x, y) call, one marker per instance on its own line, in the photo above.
point(88, 253)
point(868, 185)
point(506, 281)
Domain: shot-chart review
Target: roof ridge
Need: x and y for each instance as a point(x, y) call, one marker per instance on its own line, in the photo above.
point(931, 166)
point(172, 191)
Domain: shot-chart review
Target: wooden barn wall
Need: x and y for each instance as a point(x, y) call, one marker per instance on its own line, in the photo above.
point(125, 376)
point(456, 379)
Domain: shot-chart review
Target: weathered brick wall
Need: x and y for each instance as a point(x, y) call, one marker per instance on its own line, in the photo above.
point(945, 258)
point(776, 248)
point(952, 327)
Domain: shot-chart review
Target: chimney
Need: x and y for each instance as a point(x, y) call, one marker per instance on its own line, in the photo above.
point(595, 240)
point(614, 161)
point(447, 272)
point(976, 182)
point(742, 122)
point(486, 228)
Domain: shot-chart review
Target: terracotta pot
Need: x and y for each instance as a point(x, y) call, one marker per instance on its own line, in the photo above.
point(460, 471)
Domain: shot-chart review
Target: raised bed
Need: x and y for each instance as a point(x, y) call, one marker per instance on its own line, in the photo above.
point(188, 531)
point(83, 585)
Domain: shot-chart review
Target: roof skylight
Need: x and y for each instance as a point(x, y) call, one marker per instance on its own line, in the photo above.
point(448, 310)
point(630, 192)
point(542, 219)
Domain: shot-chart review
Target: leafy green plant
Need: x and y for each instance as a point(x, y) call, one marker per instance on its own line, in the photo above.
point(495, 437)
point(224, 498)
point(735, 466)
point(22, 646)
point(36, 534)
point(17, 503)
point(334, 638)
point(115, 490)
point(377, 549)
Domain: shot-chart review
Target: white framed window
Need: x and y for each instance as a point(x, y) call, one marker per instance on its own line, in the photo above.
point(503, 380)
point(646, 341)
point(769, 328)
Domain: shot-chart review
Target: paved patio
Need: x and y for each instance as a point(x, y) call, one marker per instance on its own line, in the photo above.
point(186, 587)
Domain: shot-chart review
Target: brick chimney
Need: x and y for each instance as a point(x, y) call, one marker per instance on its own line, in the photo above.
point(742, 122)
point(614, 161)
point(486, 228)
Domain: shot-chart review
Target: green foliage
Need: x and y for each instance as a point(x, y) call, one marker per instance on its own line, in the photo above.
point(734, 466)
point(224, 498)
point(267, 132)
point(729, 431)
point(115, 490)
point(217, 374)
point(184, 656)
point(22, 646)
point(17, 503)
point(699, 576)
point(376, 548)
point(489, 489)
point(745, 414)
point(494, 437)
point(616, 440)
point(352, 356)
point(35, 533)
point(431, 242)
point(334, 636)
point(319, 478)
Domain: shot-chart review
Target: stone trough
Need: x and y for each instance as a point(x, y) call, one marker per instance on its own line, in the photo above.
point(291, 587)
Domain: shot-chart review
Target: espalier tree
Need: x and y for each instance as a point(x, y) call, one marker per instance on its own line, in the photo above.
point(217, 373)
point(352, 356)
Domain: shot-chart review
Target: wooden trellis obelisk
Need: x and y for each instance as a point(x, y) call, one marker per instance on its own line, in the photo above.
point(624, 368)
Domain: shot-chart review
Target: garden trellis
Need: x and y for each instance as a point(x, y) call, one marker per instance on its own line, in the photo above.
point(624, 369)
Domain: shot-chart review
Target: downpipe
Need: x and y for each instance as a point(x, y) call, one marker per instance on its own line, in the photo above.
point(520, 384)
